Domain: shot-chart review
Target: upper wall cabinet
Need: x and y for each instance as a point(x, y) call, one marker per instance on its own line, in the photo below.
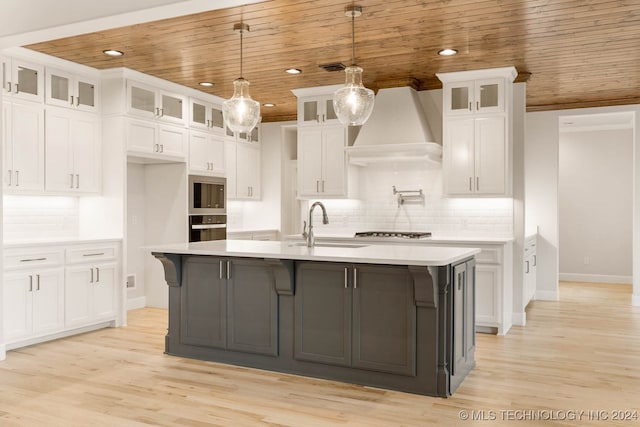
point(205, 115)
point(481, 96)
point(153, 103)
point(315, 110)
point(22, 80)
point(64, 89)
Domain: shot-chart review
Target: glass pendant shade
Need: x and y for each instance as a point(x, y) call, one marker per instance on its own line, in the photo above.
point(353, 103)
point(241, 113)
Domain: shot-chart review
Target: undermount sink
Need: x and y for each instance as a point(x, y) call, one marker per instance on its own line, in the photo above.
point(331, 245)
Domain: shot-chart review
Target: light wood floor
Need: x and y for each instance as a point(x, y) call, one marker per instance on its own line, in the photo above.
point(582, 353)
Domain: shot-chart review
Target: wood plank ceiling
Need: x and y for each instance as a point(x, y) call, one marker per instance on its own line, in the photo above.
point(579, 53)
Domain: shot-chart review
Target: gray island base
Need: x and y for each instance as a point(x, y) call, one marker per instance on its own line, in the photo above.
point(400, 318)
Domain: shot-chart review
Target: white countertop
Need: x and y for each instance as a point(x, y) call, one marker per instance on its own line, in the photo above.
point(8, 244)
point(344, 237)
point(357, 253)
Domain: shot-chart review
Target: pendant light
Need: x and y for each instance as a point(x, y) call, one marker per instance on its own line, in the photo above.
point(353, 103)
point(241, 113)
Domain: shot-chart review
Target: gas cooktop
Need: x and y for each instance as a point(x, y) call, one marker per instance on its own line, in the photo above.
point(395, 234)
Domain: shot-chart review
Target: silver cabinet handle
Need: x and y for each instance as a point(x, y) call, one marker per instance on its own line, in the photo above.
point(317, 186)
point(157, 111)
point(37, 282)
point(535, 260)
point(71, 185)
point(355, 278)
point(91, 269)
point(17, 178)
point(30, 283)
point(477, 183)
point(346, 277)
point(77, 181)
point(470, 106)
point(162, 148)
point(9, 87)
point(10, 173)
point(477, 105)
point(527, 263)
point(470, 185)
point(71, 99)
point(17, 90)
point(94, 254)
point(33, 259)
point(318, 118)
point(77, 101)
point(220, 269)
point(228, 269)
point(208, 123)
point(97, 274)
point(323, 185)
point(162, 112)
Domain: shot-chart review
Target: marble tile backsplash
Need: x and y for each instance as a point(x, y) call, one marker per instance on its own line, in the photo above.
point(40, 217)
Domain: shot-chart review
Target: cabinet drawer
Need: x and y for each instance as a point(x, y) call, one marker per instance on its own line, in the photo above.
point(23, 259)
point(94, 253)
point(490, 256)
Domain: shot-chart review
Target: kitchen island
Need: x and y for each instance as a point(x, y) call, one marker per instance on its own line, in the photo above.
point(391, 316)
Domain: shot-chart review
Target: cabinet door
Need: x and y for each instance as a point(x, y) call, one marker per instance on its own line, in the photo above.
point(309, 111)
point(17, 305)
point(142, 136)
point(199, 117)
point(489, 96)
point(322, 321)
point(458, 98)
point(28, 81)
point(216, 150)
point(78, 295)
point(203, 299)
point(86, 94)
point(230, 159)
point(104, 291)
point(490, 155)
point(333, 162)
point(248, 171)
point(172, 107)
point(384, 320)
point(59, 159)
point(141, 100)
point(86, 152)
point(309, 160)
point(60, 89)
point(488, 283)
point(48, 300)
point(7, 158)
point(458, 168)
point(199, 161)
point(172, 141)
point(462, 331)
point(252, 305)
point(27, 139)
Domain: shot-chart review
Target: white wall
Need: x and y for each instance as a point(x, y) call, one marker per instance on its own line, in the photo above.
point(595, 203)
point(136, 214)
point(541, 193)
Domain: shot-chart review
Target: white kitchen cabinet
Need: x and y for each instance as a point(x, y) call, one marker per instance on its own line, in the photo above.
point(475, 96)
point(155, 104)
point(205, 115)
point(475, 156)
point(530, 266)
point(73, 161)
point(206, 154)
point(322, 166)
point(68, 90)
point(477, 136)
point(23, 142)
point(248, 171)
point(22, 80)
point(33, 303)
point(317, 109)
point(160, 141)
point(89, 293)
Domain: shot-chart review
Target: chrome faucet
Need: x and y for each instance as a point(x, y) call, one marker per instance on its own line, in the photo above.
point(309, 234)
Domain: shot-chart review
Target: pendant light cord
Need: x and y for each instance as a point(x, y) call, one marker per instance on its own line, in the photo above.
point(241, 32)
point(353, 38)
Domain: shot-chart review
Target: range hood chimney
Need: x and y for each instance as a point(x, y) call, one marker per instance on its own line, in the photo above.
point(397, 130)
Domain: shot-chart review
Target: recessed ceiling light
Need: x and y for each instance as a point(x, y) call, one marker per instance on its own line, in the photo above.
point(206, 84)
point(268, 104)
point(113, 53)
point(293, 71)
point(447, 52)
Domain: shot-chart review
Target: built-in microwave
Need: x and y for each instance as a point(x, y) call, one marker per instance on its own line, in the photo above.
point(207, 195)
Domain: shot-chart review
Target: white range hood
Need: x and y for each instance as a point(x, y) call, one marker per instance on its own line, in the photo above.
point(397, 131)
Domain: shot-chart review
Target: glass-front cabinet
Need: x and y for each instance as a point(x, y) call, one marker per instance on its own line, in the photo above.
point(152, 103)
point(66, 90)
point(480, 96)
point(317, 110)
point(205, 115)
point(22, 80)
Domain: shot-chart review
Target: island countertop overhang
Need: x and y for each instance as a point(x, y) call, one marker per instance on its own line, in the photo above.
point(361, 253)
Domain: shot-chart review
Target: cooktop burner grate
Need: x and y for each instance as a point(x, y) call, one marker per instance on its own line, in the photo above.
point(396, 234)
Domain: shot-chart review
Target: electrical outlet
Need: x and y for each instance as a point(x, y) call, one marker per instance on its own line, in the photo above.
point(586, 260)
point(134, 219)
point(131, 281)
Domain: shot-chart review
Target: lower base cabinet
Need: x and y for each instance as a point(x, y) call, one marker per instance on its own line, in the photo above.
point(360, 316)
point(463, 334)
point(90, 293)
point(236, 310)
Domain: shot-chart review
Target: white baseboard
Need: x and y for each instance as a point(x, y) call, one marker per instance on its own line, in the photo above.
point(546, 295)
point(61, 334)
point(519, 319)
point(635, 300)
point(596, 278)
point(134, 303)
